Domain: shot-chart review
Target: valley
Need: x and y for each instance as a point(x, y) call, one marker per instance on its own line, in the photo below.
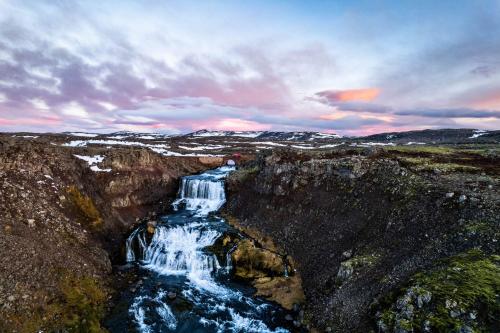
point(340, 234)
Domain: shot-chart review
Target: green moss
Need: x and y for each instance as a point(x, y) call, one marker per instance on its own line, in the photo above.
point(480, 150)
point(84, 206)
point(78, 307)
point(82, 304)
point(463, 291)
point(363, 260)
point(244, 174)
point(469, 280)
point(428, 164)
point(349, 267)
point(443, 150)
point(482, 228)
point(489, 151)
point(405, 324)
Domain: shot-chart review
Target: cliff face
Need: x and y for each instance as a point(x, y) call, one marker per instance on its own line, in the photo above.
point(62, 224)
point(361, 225)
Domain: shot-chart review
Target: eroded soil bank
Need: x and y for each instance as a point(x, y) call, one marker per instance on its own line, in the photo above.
point(395, 240)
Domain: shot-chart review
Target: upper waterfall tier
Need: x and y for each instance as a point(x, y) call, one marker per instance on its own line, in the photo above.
point(203, 193)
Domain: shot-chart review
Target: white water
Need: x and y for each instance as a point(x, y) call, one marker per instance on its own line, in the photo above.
point(203, 194)
point(177, 250)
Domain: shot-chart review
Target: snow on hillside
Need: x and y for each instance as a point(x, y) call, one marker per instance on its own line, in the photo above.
point(478, 133)
point(243, 134)
point(278, 136)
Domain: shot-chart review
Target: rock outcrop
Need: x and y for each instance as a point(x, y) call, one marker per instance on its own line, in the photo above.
point(361, 224)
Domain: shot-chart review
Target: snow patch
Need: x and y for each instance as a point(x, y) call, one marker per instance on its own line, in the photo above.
point(325, 136)
point(478, 133)
point(84, 143)
point(206, 147)
point(26, 136)
point(268, 143)
point(243, 134)
point(371, 144)
point(166, 152)
point(331, 145)
point(91, 159)
point(247, 134)
point(92, 162)
point(302, 147)
point(82, 134)
point(377, 144)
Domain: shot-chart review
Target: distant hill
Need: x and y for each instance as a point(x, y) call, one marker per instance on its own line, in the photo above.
point(267, 135)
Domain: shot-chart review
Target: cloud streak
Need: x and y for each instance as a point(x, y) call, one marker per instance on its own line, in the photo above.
point(335, 96)
point(450, 113)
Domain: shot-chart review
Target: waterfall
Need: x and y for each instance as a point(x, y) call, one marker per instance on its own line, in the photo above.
point(140, 238)
point(178, 251)
point(203, 193)
point(229, 262)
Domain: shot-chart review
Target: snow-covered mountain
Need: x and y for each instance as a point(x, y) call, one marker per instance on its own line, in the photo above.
point(242, 134)
point(121, 135)
point(267, 135)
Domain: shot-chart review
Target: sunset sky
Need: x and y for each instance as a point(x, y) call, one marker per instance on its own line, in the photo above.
point(350, 67)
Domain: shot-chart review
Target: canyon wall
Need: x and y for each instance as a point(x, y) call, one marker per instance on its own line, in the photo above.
point(62, 225)
point(361, 225)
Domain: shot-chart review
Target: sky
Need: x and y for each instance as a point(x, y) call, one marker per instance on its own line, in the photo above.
point(348, 67)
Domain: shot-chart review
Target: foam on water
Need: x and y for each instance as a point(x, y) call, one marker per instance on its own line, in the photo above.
point(177, 249)
point(139, 314)
point(164, 311)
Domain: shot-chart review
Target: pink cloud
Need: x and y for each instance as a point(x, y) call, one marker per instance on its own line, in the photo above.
point(46, 121)
point(364, 95)
point(491, 101)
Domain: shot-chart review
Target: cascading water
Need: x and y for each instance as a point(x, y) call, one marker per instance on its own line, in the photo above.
point(203, 195)
point(185, 288)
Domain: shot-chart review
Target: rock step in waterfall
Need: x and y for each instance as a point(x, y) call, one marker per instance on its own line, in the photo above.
point(178, 262)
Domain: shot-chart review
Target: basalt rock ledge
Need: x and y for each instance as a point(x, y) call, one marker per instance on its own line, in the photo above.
point(382, 243)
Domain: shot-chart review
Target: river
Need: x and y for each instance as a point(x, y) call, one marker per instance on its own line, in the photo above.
point(185, 271)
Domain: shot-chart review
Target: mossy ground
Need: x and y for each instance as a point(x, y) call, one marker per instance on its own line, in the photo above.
point(85, 207)
point(448, 159)
point(363, 260)
point(483, 150)
point(78, 307)
point(243, 174)
point(462, 293)
point(83, 304)
point(428, 164)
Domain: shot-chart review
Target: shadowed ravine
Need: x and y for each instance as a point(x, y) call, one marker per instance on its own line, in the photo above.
point(185, 285)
